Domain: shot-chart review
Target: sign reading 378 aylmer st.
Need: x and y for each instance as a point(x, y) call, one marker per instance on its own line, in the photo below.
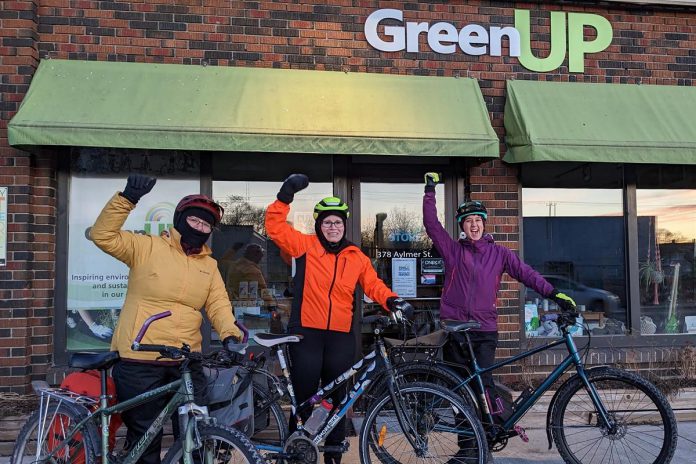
point(567, 37)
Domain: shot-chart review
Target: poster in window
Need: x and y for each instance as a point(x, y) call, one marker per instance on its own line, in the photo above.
point(97, 282)
point(404, 277)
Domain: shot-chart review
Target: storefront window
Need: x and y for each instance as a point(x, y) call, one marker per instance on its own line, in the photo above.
point(393, 236)
point(666, 255)
point(96, 282)
point(259, 275)
point(575, 239)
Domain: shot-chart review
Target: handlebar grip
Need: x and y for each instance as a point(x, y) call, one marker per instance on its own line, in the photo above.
point(376, 318)
point(145, 347)
point(146, 325)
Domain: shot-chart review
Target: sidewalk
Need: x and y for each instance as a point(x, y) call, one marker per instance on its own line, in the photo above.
point(537, 452)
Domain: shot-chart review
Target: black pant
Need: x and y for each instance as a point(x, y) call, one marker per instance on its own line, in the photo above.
point(134, 378)
point(484, 345)
point(321, 356)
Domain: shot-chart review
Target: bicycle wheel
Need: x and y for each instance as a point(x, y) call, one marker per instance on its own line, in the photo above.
point(443, 427)
point(220, 445)
point(44, 432)
point(270, 423)
point(645, 431)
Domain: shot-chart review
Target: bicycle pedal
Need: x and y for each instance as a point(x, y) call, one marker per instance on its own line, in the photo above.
point(522, 434)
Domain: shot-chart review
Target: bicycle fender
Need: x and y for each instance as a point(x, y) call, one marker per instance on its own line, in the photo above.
point(572, 378)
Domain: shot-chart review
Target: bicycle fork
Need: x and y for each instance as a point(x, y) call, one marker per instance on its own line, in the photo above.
point(410, 430)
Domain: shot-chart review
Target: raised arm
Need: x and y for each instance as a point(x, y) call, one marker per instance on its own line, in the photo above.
point(106, 232)
point(283, 234)
point(441, 239)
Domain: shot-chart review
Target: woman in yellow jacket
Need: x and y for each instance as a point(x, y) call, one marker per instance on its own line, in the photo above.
point(328, 269)
point(174, 273)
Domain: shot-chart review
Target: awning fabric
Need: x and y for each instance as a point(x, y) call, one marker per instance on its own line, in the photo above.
point(188, 107)
point(563, 121)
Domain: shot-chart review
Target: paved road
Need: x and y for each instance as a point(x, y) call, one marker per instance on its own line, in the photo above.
point(536, 452)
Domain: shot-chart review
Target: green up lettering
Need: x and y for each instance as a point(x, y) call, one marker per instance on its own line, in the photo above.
point(577, 46)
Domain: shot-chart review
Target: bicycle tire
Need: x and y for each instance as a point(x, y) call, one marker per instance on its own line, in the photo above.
point(270, 423)
point(47, 434)
point(410, 372)
point(228, 445)
point(449, 429)
point(647, 428)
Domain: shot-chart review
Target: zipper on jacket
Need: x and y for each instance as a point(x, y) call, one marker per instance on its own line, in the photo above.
point(333, 281)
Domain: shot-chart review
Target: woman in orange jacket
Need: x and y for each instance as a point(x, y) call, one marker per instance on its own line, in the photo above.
point(328, 269)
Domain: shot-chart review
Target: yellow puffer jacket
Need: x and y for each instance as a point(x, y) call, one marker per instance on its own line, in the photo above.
point(162, 278)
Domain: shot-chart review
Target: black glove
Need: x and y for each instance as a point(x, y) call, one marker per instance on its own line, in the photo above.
point(137, 186)
point(401, 310)
point(293, 184)
point(431, 180)
point(563, 301)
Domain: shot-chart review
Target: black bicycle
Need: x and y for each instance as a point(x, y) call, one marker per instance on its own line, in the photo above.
point(408, 422)
point(599, 415)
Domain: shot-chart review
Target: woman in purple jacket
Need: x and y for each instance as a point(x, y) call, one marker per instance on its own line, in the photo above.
point(474, 266)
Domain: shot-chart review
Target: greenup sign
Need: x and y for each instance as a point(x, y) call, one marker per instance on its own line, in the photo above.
point(578, 47)
point(567, 38)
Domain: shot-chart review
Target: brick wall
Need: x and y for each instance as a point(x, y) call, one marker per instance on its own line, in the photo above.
point(650, 46)
point(26, 283)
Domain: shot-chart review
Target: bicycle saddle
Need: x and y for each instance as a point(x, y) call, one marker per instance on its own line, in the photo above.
point(93, 360)
point(459, 326)
point(267, 339)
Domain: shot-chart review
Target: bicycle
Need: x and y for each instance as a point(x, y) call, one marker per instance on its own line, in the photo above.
point(412, 422)
point(601, 414)
point(66, 427)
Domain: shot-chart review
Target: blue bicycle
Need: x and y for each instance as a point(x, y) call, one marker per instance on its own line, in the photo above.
point(598, 415)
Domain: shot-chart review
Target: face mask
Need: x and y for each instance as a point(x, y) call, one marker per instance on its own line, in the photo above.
point(190, 236)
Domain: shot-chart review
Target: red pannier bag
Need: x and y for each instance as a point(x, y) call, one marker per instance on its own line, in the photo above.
point(86, 383)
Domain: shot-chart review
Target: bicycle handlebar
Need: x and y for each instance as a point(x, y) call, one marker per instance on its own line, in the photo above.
point(136, 343)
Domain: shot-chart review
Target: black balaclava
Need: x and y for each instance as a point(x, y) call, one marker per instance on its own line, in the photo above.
point(329, 246)
point(191, 237)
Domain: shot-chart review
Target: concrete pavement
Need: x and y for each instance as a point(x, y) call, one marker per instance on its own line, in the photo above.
point(536, 450)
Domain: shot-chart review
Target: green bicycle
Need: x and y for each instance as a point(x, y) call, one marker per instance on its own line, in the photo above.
point(65, 429)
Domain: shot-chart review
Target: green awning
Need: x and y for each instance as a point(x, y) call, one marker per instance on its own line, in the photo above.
point(187, 107)
point(563, 121)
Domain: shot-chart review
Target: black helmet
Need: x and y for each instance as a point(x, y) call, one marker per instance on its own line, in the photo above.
point(471, 207)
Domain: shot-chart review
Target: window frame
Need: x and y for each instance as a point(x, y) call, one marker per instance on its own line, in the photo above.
point(633, 338)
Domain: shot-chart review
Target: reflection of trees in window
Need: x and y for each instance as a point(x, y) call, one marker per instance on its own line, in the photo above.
point(398, 228)
point(239, 212)
point(666, 236)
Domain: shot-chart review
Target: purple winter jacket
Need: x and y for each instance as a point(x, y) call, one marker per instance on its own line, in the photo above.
point(473, 270)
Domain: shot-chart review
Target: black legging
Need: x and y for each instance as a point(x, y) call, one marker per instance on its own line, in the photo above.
point(134, 378)
point(321, 356)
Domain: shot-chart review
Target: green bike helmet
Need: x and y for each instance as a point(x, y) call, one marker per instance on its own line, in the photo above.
point(471, 207)
point(331, 205)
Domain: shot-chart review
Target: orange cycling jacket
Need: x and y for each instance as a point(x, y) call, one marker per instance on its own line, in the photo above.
point(324, 282)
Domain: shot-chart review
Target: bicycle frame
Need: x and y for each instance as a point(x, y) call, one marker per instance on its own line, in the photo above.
point(368, 368)
point(183, 396)
point(573, 358)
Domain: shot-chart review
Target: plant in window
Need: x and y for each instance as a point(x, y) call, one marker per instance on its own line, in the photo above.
point(652, 275)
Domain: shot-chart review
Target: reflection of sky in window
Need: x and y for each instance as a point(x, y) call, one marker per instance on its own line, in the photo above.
point(543, 202)
point(264, 193)
point(384, 198)
point(675, 209)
